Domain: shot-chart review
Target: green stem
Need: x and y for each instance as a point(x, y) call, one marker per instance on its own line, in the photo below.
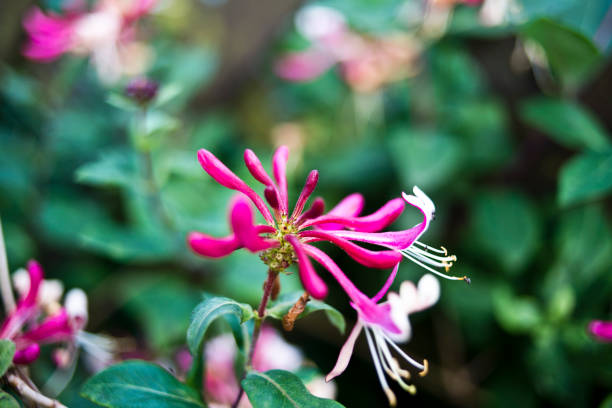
point(261, 315)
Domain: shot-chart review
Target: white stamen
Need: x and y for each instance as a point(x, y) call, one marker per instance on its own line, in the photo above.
point(403, 354)
point(380, 343)
point(379, 371)
point(433, 270)
point(429, 248)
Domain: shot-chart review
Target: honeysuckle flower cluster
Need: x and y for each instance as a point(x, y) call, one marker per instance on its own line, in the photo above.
point(602, 330)
point(106, 34)
point(40, 318)
point(366, 63)
point(287, 237)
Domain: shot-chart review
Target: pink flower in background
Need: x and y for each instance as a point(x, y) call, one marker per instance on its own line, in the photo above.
point(271, 352)
point(386, 324)
point(287, 237)
point(106, 34)
point(602, 330)
point(365, 63)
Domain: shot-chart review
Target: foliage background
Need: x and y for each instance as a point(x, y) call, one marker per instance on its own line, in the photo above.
point(516, 157)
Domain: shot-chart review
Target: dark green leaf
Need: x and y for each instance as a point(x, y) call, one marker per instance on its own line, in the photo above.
point(565, 121)
point(282, 305)
point(7, 400)
point(586, 177)
point(281, 389)
point(7, 351)
point(113, 169)
point(203, 315)
point(138, 384)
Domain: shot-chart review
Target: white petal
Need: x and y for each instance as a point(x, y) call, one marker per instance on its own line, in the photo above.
point(21, 281)
point(50, 292)
point(409, 295)
point(424, 199)
point(399, 316)
point(76, 304)
point(345, 353)
point(429, 291)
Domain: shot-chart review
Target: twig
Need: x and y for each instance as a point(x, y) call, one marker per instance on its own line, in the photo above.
point(5, 280)
point(261, 313)
point(30, 394)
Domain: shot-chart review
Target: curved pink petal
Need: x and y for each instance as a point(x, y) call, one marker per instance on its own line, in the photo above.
point(54, 328)
point(244, 230)
point(304, 66)
point(383, 291)
point(367, 309)
point(36, 274)
point(311, 281)
point(309, 186)
point(257, 170)
point(345, 353)
point(27, 354)
point(601, 329)
point(316, 209)
point(372, 259)
point(397, 240)
point(211, 247)
point(279, 166)
point(224, 176)
point(49, 36)
point(369, 223)
point(349, 206)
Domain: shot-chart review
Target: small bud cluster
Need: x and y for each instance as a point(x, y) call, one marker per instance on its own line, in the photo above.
point(280, 258)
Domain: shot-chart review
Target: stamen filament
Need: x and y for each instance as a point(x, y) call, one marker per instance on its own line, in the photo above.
point(429, 248)
point(380, 343)
point(403, 354)
point(463, 278)
point(381, 376)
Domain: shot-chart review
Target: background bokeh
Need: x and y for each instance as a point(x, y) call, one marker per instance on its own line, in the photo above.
point(504, 123)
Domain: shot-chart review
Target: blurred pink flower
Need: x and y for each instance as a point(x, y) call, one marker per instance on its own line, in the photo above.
point(106, 34)
point(386, 324)
point(602, 330)
point(365, 63)
point(287, 238)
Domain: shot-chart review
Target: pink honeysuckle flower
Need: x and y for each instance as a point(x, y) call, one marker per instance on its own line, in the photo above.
point(271, 352)
point(366, 63)
point(106, 34)
point(387, 326)
point(287, 238)
point(602, 330)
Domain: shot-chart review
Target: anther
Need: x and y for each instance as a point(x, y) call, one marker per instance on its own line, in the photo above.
point(391, 397)
point(425, 370)
point(467, 280)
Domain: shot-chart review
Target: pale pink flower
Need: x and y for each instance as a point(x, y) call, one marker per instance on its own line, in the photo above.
point(287, 237)
point(106, 34)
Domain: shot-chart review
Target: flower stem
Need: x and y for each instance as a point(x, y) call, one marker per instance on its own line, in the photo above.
point(31, 394)
point(261, 315)
point(5, 280)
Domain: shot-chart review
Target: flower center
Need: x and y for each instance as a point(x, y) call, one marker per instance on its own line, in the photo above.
point(280, 258)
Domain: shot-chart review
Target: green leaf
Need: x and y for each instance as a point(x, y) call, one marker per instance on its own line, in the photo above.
point(572, 56)
point(7, 400)
point(282, 305)
point(203, 315)
point(112, 169)
point(7, 351)
point(567, 122)
point(505, 225)
point(586, 177)
point(425, 158)
point(516, 314)
point(281, 389)
point(139, 384)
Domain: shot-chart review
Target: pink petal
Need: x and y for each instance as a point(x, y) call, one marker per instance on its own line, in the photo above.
point(242, 224)
point(227, 178)
point(601, 329)
point(279, 165)
point(206, 245)
point(36, 274)
point(49, 36)
point(52, 329)
point(304, 66)
point(372, 259)
point(311, 183)
point(370, 223)
point(387, 284)
point(350, 206)
point(27, 355)
point(397, 240)
point(345, 353)
point(312, 282)
point(256, 168)
point(315, 210)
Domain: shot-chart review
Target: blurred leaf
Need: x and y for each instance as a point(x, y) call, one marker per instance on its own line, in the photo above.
point(571, 56)
point(7, 351)
point(278, 388)
point(562, 304)
point(139, 384)
point(161, 305)
point(585, 177)
point(115, 168)
point(204, 314)
point(282, 305)
point(606, 403)
point(516, 314)
point(425, 158)
point(567, 122)
point(122, 102)
point(456, 77)
point(7, 400)
point(505, 225)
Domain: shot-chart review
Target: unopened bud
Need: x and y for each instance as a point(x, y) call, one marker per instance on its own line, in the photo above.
point(271, 197)
point(142, 90)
